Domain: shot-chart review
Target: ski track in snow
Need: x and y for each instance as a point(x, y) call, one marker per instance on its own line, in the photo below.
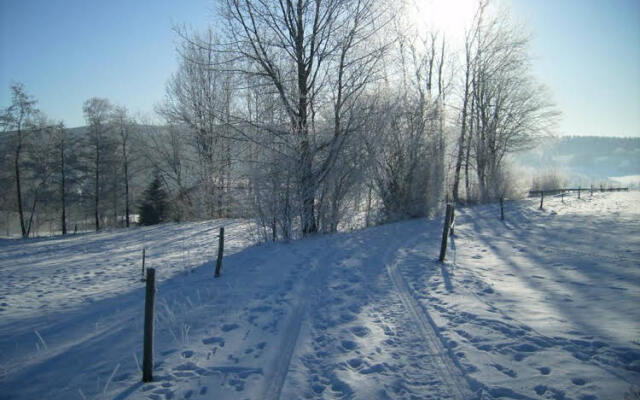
point(444, 363)
point(275, 380)
point(541, 306)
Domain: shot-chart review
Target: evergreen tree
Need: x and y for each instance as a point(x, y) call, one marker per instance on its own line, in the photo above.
point(153, 209)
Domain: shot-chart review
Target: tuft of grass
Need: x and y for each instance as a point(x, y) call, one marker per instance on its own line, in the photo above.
point(44, 344)
point(106, 385)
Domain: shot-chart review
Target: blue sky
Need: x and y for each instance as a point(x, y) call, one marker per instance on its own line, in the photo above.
point(588, 53)
point(66, 51)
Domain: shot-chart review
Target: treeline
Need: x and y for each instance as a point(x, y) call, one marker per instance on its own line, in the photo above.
point(62, 178)
point(307, 116)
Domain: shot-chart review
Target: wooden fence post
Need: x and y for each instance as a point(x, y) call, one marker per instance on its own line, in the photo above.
point(143, 258)
point(591, 190)
point(445, 233)
point(541, 198)
point(562, 196)
point(220, 252)
point(578, 192)
point(147, 360)
point(501, 208)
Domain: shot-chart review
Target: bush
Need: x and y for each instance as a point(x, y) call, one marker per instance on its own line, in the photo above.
point(549, 180)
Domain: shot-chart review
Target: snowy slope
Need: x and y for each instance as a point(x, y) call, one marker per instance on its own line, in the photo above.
point(541, 306)
point(544, 305)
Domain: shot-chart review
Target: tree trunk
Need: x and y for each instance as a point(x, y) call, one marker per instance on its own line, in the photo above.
point(63, 192)
point(126, 182)
point(24, 231)
point(308, 184)
point(308, 193)
point(461, 140)
point(97, 189)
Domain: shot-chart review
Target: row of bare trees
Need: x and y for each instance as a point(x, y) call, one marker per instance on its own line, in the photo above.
point(311, 115)
point(503, 109)
point(336, 108)
point(52, 170)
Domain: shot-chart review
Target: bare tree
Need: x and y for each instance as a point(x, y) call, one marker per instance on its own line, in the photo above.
point(408, 149)
point(97, 114)
point(39, 165)
point(124, 125)
point(503, 108)
point(61, 143)
point(198, 101)
point(316, 57)
point(18, 120)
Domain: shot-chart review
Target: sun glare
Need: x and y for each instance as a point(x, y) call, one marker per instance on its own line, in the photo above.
point(449, 17)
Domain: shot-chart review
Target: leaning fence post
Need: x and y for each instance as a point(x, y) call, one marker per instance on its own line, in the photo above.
point(220, 252)
point(445, 233)
point(502, 208)
point(147, 361)
point(541, 198)
point(143, 258)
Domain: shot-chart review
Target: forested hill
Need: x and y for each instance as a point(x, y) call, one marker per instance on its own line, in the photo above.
point(590, 156)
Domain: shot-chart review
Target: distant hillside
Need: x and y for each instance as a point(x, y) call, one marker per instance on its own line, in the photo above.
point(590, 157)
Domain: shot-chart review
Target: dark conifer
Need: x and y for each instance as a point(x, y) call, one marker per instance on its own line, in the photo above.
point(153, 209)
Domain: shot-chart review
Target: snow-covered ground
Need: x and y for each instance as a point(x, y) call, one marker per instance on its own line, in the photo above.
point(542, 306)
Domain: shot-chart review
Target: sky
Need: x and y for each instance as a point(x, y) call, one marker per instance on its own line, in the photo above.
point(67, 51)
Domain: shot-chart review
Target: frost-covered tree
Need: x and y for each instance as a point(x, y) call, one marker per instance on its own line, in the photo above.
point(198, 100)
point(124, 125)
point(97, 113)
point(315, 59)
point(18, 124)
point(504, 109)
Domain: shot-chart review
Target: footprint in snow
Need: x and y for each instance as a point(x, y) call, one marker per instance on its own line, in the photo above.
point(374, 369)
point(214, 340)
point(360, 331)
point(507, 371)
point(540, 390)
point(348, 345)
point(229, 327)
point(187, 353)
point(579, 381)
point(355, 363)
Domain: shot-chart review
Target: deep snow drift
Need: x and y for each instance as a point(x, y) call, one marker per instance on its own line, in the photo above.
point(543, 305)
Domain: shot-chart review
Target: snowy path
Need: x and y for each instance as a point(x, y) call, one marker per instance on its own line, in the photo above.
point(543, 306)
point(366, 338)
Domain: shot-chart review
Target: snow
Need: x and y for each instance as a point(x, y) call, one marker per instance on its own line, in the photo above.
point(542, 305)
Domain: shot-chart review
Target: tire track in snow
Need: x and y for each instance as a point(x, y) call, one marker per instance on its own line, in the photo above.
point(447, 369)
point(277, 375)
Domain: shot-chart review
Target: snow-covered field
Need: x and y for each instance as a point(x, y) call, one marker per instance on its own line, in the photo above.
point(541, 306)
